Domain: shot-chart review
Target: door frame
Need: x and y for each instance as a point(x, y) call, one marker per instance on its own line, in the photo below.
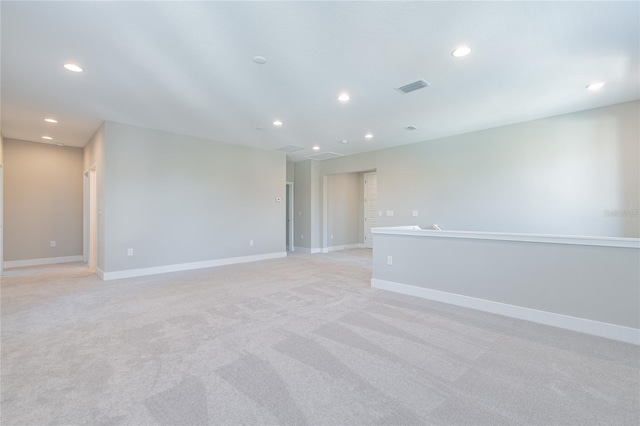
point(1, 219)
point(289, 199)
point(90, 218)
point(367, 243)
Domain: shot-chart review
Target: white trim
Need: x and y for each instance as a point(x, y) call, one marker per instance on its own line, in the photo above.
point(44, 261)
point(365, 176)
point(100, 273)
point(583, 325)
point(416, 231)
point(291, 213)
point(325, 212)
point(130, 273)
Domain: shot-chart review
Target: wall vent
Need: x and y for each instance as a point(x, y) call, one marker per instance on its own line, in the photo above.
point(324, 156)
point(290, 148)
point(411, 87)
point(411, 128)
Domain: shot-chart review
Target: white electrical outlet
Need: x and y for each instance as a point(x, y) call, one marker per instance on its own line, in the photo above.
point(302, 237)
point(389, 212)
point(379, 212)
point(129, 252)
point(332, 236)
point(251, 243)
point(52, 244)
point(389, 260)
point(414, 213)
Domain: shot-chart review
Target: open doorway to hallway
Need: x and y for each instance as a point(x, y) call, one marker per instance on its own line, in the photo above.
point(345, 210)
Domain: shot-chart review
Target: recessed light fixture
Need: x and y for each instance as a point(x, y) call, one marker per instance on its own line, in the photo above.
point(596, 85)
point(73, 67)
point(47, 138)
point(344, 141)
point(277, 123)
point(344, 97)
point(461, 51)
point(369, 135)
point(60, 144)
point(50, 120)
point(316, 148)
point(260, 60)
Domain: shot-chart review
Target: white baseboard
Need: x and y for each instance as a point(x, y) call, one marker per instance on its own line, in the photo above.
point(44, 261)
point(596, 328)
point(130, 273)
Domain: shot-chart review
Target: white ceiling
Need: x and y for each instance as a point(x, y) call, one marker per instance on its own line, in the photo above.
point(187, 67)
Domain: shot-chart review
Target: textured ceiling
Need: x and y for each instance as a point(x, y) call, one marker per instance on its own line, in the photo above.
point(187, 67)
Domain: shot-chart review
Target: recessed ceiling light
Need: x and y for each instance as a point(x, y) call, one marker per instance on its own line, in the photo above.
point(344, 97)
point(47, 138)
point(368, 135)
point(461, 51)
point(277, 123)
point(596, 85)
point(73, 67)
point(60, 144)
point(344, 141)
point(50, 120)
point(316, 148)
point(260, 60)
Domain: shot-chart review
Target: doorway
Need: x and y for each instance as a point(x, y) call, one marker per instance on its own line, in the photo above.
point(289, 217)
point(370, 206)
point(90, 219)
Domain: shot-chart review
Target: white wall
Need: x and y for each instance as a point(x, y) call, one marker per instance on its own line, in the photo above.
point(42, 201)
point(177, 199)
point(558, 175)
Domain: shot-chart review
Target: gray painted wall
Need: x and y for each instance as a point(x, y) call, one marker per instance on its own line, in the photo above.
point(592, 282)
point(558, 175)
point(290, 171)
point(302, 204)
point(1, 148)
point(344, 209)
point(178, 199)
point(42, 200)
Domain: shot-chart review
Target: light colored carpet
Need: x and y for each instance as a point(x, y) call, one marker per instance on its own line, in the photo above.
point(300, 340)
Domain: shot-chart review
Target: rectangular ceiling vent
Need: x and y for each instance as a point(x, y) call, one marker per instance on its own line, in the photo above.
point(324, 156)
point(290, 148)
point(411, 128)
point(411, 87)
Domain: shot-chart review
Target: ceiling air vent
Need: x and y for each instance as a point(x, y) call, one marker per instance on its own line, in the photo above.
point(411, 128)
point(407, 88)
point(324, 156)
point(290, 148)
